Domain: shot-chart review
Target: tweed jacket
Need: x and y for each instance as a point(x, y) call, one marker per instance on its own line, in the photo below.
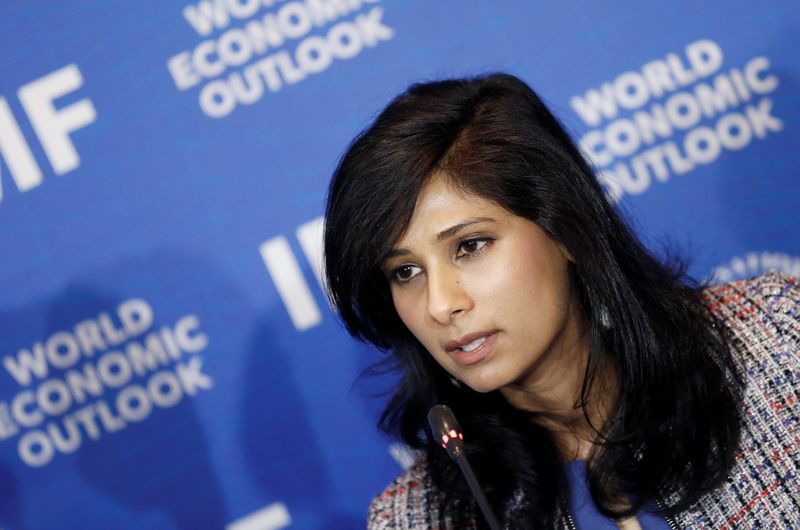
point(762, 489)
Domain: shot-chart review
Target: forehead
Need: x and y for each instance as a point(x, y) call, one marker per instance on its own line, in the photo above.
point(441, 205)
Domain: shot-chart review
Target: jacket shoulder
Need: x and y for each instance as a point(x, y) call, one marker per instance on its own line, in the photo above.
point(766, 285)
point(767, 304)
point(763, 317)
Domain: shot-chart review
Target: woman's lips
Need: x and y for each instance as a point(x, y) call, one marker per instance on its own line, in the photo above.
point(467, 358)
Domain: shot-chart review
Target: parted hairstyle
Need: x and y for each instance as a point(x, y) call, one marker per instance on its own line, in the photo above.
point(673, 431)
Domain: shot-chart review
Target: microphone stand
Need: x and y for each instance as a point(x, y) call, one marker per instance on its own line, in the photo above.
point(466, 469)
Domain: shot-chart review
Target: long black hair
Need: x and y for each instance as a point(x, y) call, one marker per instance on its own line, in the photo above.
point(674, 428)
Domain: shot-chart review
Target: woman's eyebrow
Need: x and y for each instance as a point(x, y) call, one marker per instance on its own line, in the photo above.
point(449, 232)
point(395, 253)
point(441, 236)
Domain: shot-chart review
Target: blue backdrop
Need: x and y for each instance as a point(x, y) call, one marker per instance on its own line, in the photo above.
point(168, 357)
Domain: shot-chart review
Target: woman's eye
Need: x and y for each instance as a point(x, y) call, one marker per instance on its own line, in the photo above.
point(404, 273)
point(471, 246)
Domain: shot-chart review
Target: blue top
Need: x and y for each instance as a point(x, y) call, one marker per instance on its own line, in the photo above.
point(584, 512)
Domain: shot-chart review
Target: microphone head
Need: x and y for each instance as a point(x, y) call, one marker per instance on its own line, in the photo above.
point(446, 430)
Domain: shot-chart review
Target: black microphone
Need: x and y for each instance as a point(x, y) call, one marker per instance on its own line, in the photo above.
point(446, 430)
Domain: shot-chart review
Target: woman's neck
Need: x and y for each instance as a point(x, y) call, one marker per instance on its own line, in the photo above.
point(574, 425)
point(553, 392)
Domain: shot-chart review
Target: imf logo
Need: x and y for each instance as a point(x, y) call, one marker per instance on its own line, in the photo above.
point(51, 125)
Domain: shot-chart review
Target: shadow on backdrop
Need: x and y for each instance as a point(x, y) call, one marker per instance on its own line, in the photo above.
point(278, 444)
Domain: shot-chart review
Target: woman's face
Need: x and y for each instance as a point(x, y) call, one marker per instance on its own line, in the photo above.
point(485, 291)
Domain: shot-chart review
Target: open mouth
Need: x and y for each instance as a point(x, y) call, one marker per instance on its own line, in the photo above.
point(474, 351)
point(472, 346)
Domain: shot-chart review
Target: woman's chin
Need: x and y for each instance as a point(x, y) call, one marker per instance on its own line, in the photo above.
point(483, 385)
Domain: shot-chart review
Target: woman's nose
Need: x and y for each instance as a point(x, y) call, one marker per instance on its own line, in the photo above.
point(447, 296)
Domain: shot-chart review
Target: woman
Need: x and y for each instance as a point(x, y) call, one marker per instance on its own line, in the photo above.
point(595, 385)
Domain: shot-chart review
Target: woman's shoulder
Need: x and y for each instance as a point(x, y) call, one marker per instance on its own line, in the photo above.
point(761, 308)
point(767, 285)
point(405, 503)
point(763, 316)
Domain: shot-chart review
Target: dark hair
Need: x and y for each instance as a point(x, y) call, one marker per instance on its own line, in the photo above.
point(673, 431)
